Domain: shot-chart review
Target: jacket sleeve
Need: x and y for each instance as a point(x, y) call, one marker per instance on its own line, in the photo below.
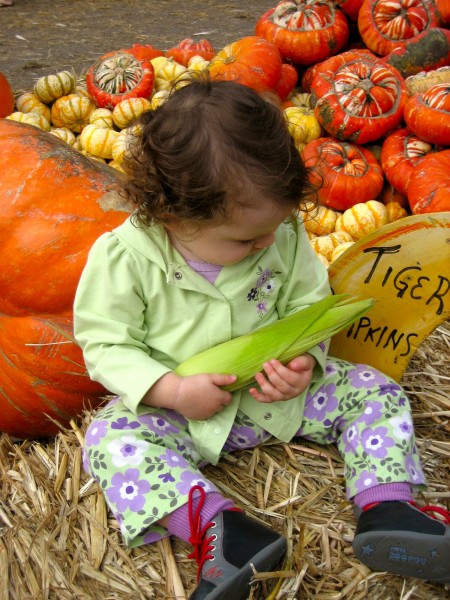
point(308, 283)
point(109, 323)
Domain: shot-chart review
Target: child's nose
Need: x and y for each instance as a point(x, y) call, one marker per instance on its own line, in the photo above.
point(264, 241)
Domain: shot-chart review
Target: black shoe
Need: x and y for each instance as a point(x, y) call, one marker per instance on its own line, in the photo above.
point(227, 549)
point(399, 538)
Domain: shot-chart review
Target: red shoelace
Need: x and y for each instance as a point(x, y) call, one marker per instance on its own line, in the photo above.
point(437, 510)
point(201, 544)
point(445, 514)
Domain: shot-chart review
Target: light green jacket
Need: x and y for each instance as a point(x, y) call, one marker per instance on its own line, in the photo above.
point(140, 310)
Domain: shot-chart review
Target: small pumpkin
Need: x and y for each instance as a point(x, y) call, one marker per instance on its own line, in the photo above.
point(426, 79)
point(128, 110)
point(305, 31)
point(188, 48)
point(358, 97)
point(252, 61)
point(362, 219)
point(72, 112)
point(302, 124)
point(197, 64)
point(325, 244)
point(429, 190)
point(428, 114)
point(167, 72)
point(117, 76)
point(395, 211)
point(121, 144)
point(385, 25)
point(6, 97)
point(51, 87)
point(320, 220)
point(98, 141)
point(64, 134)
point(101, 117)
point(339, 250)
point(31, 118)
point(345, 173)
point(401, 152)
point(143, 51)
point(29, 102)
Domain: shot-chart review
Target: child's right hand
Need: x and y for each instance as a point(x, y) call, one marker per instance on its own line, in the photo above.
point(196, 397)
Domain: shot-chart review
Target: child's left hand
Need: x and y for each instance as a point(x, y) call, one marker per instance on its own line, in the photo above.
point(283, 382)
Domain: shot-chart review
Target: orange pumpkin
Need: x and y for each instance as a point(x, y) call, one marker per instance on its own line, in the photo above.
point(6, 97)
point(429, 188)
point(54, 203)
point(251, 61)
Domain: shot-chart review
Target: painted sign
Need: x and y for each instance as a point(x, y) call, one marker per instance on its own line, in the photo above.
point(405, 266)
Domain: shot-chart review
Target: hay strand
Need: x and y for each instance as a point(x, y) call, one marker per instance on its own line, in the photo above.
point(58, 540)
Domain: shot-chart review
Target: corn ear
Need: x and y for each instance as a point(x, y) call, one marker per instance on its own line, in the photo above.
point(285, 339)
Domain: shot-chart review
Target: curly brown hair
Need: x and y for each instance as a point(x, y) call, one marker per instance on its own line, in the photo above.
point(204, 145)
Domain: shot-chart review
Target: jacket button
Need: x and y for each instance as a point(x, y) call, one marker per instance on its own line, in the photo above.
point(267, 416)
point(217, 430)
point(178, 275)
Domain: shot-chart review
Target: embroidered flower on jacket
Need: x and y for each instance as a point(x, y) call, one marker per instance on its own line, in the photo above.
point(265, 286)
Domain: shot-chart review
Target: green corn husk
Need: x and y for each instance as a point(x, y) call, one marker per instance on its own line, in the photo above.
point(285, 339)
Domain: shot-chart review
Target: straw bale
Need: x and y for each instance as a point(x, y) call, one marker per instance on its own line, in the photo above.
point(58, 540)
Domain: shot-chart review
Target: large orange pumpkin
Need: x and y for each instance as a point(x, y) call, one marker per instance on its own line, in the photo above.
point(54, 203)
point(6, 97)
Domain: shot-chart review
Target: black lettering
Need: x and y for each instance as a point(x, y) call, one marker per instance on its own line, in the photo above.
point(372, 331)
point(385, 328)
point(408, 343)
point(362, 324)
point(391, 338)
point(438, 294)
point(418, 285)
point(404, 285)
point(379, 252)
point(387, 275)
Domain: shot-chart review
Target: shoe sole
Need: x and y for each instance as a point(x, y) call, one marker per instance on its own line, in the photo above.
point(237, 587)
point(406, 553)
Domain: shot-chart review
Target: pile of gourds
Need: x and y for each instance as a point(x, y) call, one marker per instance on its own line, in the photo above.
point(365, 89)
point(371, 119)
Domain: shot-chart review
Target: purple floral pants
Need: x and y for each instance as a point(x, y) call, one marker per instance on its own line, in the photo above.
point(146, 463)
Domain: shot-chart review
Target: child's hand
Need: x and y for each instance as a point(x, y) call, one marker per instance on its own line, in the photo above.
point(200, 396)
point(196, 397)
point(283, 382)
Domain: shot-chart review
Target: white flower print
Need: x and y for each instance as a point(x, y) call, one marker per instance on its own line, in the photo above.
point(127, 450)
point(403, 426)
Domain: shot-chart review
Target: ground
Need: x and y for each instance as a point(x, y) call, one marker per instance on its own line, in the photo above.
point(41, 37)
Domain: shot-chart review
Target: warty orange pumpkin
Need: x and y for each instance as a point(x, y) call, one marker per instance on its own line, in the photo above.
point(54, 203)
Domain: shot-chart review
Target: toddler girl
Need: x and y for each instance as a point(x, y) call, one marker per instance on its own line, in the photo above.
point(213, 250)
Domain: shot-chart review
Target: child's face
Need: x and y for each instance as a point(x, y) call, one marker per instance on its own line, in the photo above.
point(245, 232)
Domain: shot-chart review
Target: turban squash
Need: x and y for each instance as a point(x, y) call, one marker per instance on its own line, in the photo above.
point(54, 203)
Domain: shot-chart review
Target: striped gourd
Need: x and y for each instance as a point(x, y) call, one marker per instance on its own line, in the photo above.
point(30, 119)
point(51, 87)
point(285, 339)
point(64, 134)
point(325, 244)
point(362, 218)
point(128, 110)
point(168, 72)
point(29, 102)
point(98, 141)
point(72, 112)
point(101, 117)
